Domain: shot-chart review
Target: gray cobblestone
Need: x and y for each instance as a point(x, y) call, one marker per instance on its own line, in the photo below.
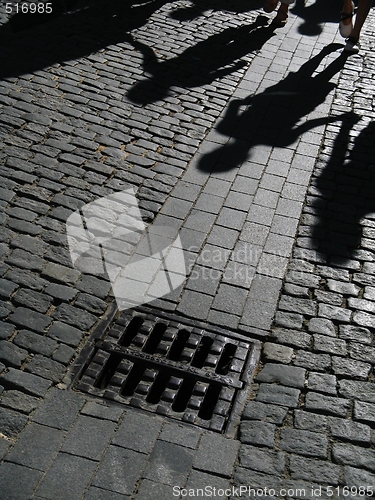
point(147, 429)
point(276, 394)
point(25, 317)
point(322, 471)
point(304, 443)
point(45, 367)
point(312, 361)
point(59, 408)
point(334, 313)
point(12, 355)
point(16, 400)
point(351, 431)
point(258, 433)
point(74, 316)
point(60, 273)
point(355, 333)
point(327, 404)
point(323, 326)
point(285, 375)
point(322, 382)
point(65, 333)
point(364, 391)
point(262, 460)
point(350, 368)
point(32, 299)
point(11, 422)
point(358, 477)
point(356, 456)
point(310, 421)
point(293, 338)
point(33, 440)
point(256, 410)
point(216, 454)
point(276, 352)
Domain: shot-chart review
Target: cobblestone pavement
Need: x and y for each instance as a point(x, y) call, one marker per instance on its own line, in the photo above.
point(256, 144)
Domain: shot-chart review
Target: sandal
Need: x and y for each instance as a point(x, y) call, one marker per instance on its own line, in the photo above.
point(280, 21)
point(351, 46)
point(346, 29)
point(282, 17)
point(270, 5)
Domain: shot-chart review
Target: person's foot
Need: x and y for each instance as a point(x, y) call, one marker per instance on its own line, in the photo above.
point(351, 46)
point(346, 22)
point(282, 16)
point(270, 5)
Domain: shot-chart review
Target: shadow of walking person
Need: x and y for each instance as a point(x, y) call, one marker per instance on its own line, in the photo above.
point(213, 58)
point(275, 117)
point(59, 37)
point(316, 14)
point(342, 199)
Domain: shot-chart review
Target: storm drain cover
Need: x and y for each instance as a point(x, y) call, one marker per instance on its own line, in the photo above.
point(171, 367)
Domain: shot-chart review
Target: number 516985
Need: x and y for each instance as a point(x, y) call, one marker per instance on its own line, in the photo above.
point(32, 8)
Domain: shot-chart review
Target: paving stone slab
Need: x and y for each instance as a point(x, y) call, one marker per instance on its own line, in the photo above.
point(120, 470)
point(24, 481)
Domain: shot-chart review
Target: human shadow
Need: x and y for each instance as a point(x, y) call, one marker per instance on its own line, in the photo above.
point(70, 36)
point(77, 28)
point(276, 116)
point(316, 14)
point(213, 58)
point(343, 194)
point(199, 7)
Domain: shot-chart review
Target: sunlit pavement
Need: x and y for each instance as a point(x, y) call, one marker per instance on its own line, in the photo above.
point(255, 144)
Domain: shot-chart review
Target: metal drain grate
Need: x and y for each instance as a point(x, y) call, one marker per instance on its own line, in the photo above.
point(169, 366)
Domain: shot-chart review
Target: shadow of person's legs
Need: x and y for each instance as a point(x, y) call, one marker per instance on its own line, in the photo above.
point(344, 196)
point(275, 117)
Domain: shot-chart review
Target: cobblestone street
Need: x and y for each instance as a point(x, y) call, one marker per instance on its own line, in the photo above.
point(255, 145)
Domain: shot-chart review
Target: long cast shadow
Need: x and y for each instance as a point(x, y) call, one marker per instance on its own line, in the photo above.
point(71, 36)
point(344, 195)
point(213, 58)
point(275, 116)
point(316, 14)
point(30, 42)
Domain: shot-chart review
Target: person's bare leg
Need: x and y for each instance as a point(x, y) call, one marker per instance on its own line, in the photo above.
point(282, 15)
point(346, 18)
point(351, 46)
point(364, 7)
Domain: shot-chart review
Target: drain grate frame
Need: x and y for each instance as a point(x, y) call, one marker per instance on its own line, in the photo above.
point(168, 365)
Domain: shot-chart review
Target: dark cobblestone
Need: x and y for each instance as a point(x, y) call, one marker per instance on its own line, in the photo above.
point(328, 404)
point(276, 394)
point(65, 333)
point(356, 456)
point(310, 421)
point(18, 401)
point(30, 319)
point(284, 375)
point(258, 433)
point(35, 343)
point(12, 355)
point(351, 431)
point(304, 443)
point(322, 471)
point(11, 422)
point(266, 461)
point(74, 316)
point(32, 299)
point(25, 382)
